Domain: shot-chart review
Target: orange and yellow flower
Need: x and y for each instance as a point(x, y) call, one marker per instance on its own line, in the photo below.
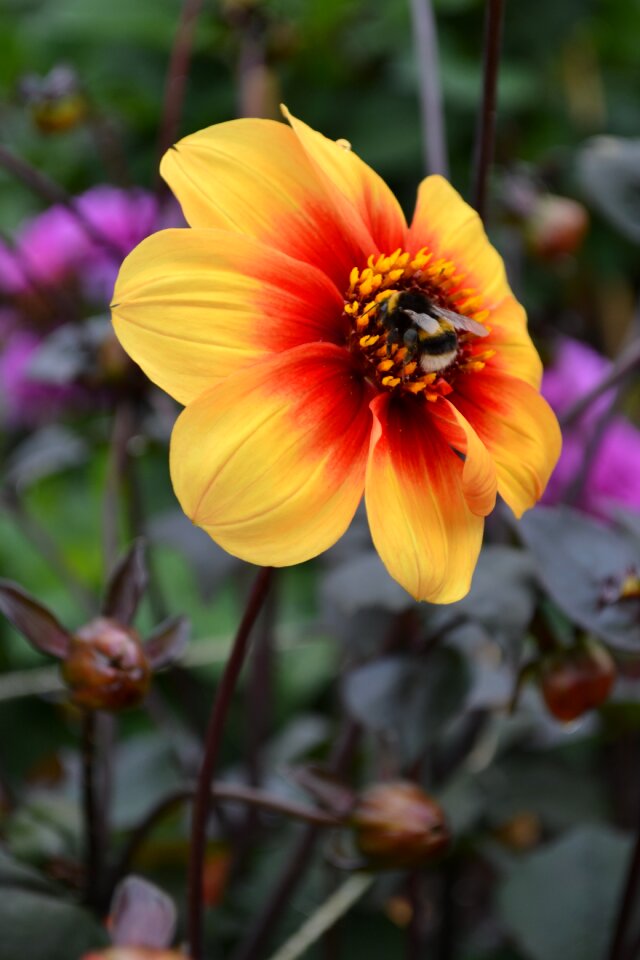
point(270, 321)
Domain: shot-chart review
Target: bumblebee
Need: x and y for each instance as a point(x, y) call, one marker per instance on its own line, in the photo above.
point(427, 330)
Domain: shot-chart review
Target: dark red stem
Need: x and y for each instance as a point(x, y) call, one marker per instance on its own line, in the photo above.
point(213, 743)
point(177, 74)
point(485, 139)
point(93, 839)
point(300, 858)
point(627, 905)
point(51, 192)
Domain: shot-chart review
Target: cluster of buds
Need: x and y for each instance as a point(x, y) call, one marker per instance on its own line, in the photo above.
point(105, 664)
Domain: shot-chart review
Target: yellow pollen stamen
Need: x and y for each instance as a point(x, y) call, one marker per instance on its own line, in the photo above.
point(382, 308)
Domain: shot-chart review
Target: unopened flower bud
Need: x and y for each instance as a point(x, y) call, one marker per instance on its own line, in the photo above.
point(106, 667)
point(398, 826)
point(556, 227)
point(576, 680)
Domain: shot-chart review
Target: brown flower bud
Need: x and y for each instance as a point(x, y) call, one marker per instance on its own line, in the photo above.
point(556, 227)
point(576, 680)
point(398, 826)
point(106, 667)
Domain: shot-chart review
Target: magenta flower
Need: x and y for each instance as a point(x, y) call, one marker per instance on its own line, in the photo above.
point(613, 478)
point(53, 246)
point(53, 254)
point(25, 401)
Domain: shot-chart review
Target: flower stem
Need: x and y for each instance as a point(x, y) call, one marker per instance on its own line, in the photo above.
point(177, 74)
point(625, 364)
point(325, 916)
point(52, 193)
point(212, 748)
point(299, 859)
point(426, 45)
point(485, 138)
point(92, 811)
point(222, 792)
point(627, 905)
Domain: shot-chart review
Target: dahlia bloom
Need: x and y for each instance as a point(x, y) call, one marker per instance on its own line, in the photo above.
point(277, 319)
point(613, 478)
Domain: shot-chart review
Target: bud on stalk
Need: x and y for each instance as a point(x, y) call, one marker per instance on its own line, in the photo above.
point(106, 667)
point(398, 826)
point(575, 680)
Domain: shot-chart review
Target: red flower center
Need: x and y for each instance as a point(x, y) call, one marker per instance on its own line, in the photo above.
point(412, 325)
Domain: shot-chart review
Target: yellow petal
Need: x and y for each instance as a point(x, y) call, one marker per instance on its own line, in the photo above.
point(363, 188)
point(271, 461)
point(519, 430)
point(451, 229)
point(193, 306)
point(253, 177)
point(479, 481)
point(515, 355)
point(422, 527)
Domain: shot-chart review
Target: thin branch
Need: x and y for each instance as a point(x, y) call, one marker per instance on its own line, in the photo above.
point(177, 74)
point(625, 364)
point(485, 138)
point(627, 904)
point(94, 834)
point(212, 749)
point(223, 793)
point(45, 681)
point(432, 115)
point(52, 193)
point(299, 859)
point(325, 916)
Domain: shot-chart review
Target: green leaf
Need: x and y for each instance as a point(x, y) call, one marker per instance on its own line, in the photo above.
point(37, 926)
point(576, 558)
point(560, 901)
point(407, 700)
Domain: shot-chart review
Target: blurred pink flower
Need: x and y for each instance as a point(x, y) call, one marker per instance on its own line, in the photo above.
point(25, 401)
point(54, 245)
point(53, 256)
point(613, 477)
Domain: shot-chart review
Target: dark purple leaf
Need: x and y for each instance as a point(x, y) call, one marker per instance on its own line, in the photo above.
point(37, 624)
point(126, 585)
point(168, 642)
point(141, 915)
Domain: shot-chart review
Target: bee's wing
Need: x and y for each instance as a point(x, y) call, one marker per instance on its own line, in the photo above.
point(424, 321)
point(460, 322)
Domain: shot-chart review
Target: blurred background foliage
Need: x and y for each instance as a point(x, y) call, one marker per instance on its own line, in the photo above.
point(541, 812)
